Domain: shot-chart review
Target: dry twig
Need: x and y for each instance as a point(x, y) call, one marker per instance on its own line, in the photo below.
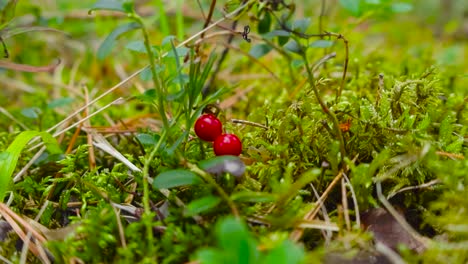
point(296, 234)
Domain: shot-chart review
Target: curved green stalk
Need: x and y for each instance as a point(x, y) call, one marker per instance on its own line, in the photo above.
point(208, 178)
point(336, 125)
point(154, 74)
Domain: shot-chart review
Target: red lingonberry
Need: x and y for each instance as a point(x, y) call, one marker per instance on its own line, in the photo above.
point(208, 127)
point(227, 144)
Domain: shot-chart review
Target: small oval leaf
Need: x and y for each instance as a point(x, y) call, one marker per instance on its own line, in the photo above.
point(264, 24)
point(31, 112)
point(260, 50)
point(175, 178)
point(109, 42)
point(301, 25)
point(137, 45)
point(147, 139)
point(202, 205)
point(60, 102)
point(293, 46)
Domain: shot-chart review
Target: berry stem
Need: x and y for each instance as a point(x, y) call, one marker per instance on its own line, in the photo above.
point(208, 178)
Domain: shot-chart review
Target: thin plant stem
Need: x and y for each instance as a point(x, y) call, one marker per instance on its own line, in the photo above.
point(146, 204)
point(180, 19)
point(345, 70)
point(163, 18)
point(325, 109)
point(322, 14)
point(208, 178)
point(154, 74)
point(210, 15)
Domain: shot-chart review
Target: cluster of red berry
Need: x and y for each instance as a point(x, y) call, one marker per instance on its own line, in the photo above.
point(209, 128)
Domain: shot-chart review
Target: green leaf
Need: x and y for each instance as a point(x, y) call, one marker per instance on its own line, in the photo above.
point(223, 164)
point(238, 244)
point(287, 252)
point(31, 112)
point(352, 6)
point(175, 178)
point(9, 158)
point(181, 52)
point(109, 42)
point(202, 205)
point(112, 5)
point(146, 75)
point(147, 139)
point(277, 33)
point(301, 25)
point(148, 96)
point(264, 24)
point(7, 12)
point(181, 79)
point(138, 46)
point(209, 256)
point(283, 36)
point(321, 43)
point(260, 50)
point(282, 40)
point(256, 197)
point(60, 102)
point(293, 46)
point(198, 77)
point(168, 40)
point(401, 7)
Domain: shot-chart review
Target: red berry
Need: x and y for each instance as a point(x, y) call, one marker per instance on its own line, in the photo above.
point(227, 144)
point(208, 127)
